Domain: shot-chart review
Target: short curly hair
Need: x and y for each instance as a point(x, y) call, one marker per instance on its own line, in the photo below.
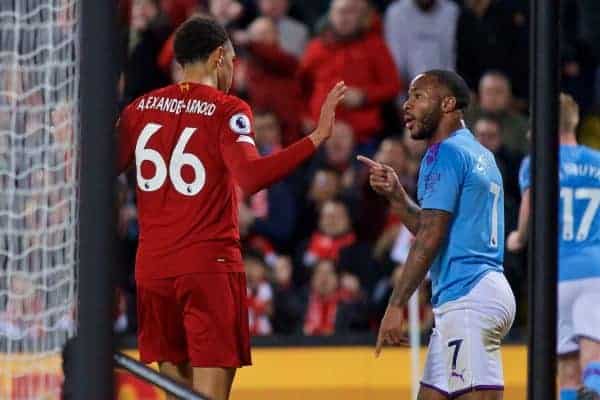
point(455, 84)
point(197, 38)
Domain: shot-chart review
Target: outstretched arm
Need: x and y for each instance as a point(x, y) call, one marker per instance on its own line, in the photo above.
point(253, 172)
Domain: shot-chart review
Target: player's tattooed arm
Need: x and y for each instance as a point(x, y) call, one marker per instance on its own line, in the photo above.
point(432, 231)
point(408, 211)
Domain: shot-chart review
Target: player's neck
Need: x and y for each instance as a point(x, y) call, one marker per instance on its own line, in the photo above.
point(199, 74)
point(568, 139)
point(445, 129)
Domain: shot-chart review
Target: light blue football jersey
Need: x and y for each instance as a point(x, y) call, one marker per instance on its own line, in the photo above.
point(578, 211)
point(460, 176)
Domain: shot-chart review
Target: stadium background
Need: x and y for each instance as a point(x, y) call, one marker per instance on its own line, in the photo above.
point(321, 248)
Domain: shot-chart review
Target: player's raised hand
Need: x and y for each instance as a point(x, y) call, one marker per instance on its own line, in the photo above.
point(383, 178)
point(391, 331)
point(327, 117)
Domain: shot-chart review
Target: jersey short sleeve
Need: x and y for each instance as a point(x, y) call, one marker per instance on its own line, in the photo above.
point(441, 178)
point(525, 174)
point(237, 126)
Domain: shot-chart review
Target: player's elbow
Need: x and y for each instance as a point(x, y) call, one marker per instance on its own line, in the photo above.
point(250, 186)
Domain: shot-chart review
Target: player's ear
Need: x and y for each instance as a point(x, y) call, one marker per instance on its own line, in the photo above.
point(221, 56)
point(217, 57)
point(449, 104)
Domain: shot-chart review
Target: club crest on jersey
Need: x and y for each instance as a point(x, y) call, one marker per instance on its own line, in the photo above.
point(240, 123)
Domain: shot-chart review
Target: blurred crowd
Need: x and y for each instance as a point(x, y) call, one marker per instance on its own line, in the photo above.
point(322, 250)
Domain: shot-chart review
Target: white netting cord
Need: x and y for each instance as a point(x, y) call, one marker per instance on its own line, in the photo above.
point(38, 192)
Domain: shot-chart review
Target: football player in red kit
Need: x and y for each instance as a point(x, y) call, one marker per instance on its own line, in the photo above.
point(193, 145)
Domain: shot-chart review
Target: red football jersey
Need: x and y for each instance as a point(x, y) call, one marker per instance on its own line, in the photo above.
point(192, 146)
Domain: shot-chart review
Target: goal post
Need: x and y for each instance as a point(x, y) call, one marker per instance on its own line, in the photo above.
point(94, 348)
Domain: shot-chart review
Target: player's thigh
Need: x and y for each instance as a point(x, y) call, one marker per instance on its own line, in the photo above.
point(569, 373)
point(472, 330)
point(161, 335)
point(586, 321)
point(214, 382)
point(215, 319)
point(435, 374)
point(471, 341)
point(429, 393)
point(481, 395)
point(566, 340)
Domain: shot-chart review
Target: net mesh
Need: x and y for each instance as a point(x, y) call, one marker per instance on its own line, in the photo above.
point(38, 193)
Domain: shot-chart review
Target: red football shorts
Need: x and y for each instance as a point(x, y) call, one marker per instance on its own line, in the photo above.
point(200, 318)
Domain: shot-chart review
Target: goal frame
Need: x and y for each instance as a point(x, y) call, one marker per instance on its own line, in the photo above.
point(94, 347)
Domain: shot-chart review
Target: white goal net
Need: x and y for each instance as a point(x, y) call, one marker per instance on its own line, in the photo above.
point(39, 78)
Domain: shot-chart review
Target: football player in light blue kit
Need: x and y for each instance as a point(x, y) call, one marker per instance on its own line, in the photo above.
point(578, 336)
point(459, 229)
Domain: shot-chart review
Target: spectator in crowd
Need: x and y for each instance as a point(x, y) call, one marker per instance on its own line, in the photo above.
point(179, 10)
point(176, 11)
point(331, 307)
point(293, 34)
point(260, 295)
point(270, 213)
point(270, 73)
point(333, 234)
point(338, 154)
point(323, 299)
point(324, 186)
point(346, 51)
point(495, 94)
point(579, 53)
point(145, 36)
point(17, 321)
point(421, 35)
point(488, 132)
point(232, 14)
point(488, 37)
point(288, 309)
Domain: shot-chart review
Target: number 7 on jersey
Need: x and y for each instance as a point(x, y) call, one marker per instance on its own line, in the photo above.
point(496, 190)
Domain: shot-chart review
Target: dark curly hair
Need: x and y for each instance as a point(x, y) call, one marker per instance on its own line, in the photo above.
point(197, 38)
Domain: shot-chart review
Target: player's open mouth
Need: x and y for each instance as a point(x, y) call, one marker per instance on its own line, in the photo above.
point(409, 121)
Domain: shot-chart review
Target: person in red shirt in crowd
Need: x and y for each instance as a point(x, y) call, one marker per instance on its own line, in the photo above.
point(260, 296)
point(333, 234)
point(323, 300)
point(271, 71)
point(334, 302)
point(193, 145)
point(346, 49)
point(177, 10)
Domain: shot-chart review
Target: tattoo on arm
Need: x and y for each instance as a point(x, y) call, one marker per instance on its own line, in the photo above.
point(409, 213)
point(431, 233)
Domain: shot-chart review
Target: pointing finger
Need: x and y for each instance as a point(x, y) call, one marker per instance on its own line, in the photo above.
point(370, 163)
